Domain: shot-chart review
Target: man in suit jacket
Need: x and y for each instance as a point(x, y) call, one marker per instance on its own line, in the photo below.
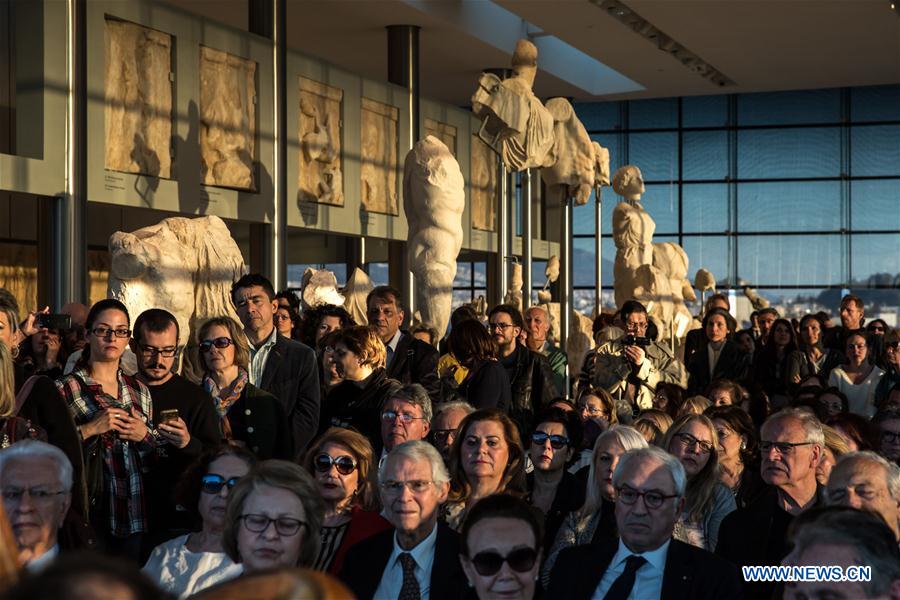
point(409, 360)
point(283, 367)
point(645, 562)
point(418, 557)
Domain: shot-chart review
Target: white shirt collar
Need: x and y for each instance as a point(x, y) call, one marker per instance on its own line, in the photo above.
point(423, 553)
point(43, 561)
point(395, 340)
point(656, 558)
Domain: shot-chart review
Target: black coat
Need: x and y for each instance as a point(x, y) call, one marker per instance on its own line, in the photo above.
point(416, 361)
point(531, 380)
point(367, 560)
point(733, 364)
point(292, 375)
point(487, 386)
point(690, 574)
point(258, 420)
point(569, 497)
point(353, 407)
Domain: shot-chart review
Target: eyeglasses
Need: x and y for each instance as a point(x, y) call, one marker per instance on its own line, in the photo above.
point(213, 484)
point(102, 332)
point(220, 342)
point(520, 560)
point(38, 496)
point(164, 352)
point(277, 317)
point(890, 437)
point(557, 442)
point(877, 329)
point(636, 326)
point(344, 464)
point(416, 486)
point(784, 448)
point(500, 326)
point(388, 416)
point(441, 435)
point(652, 499)
point(592, 410)
point(689, 441)
point(283, 525)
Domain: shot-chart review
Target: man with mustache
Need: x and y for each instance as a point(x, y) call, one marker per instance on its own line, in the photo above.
point(645, 562)
point(180, 440)
point(791, 445)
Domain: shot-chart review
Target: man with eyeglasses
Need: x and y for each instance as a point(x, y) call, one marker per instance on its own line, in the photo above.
point(418, 558)
point(791, 445)
point(36, 488)
point(405, 416)
point(444, 424)
point(645, 562)
point(887, 420)
point(630, 367)
point(867, 481)
point(186, 421)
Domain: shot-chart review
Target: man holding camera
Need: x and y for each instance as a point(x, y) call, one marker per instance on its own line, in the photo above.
point(631, 366)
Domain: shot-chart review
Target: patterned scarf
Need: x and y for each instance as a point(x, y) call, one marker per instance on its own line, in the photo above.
point(224, 398)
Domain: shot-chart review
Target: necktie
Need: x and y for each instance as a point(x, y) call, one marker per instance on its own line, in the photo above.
point(621, 587)
point(390, 355)
point(410, 589)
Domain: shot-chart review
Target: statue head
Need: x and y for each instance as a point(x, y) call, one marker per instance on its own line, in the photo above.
point(628, 182)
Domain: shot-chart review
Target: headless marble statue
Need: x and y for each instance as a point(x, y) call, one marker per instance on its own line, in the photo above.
point(632, 230)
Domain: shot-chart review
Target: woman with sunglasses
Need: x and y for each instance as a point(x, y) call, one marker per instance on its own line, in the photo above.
point(693, 440)
point(342, 463)
point(190, 563)
point(274, 518)
point(112, 413)
point(500, 548)
point(248, 415)
point(551, 488)
point(486, 458)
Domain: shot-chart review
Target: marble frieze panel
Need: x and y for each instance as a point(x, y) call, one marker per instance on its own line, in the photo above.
point(227, 120)
point(378, 157)
point(138, 99)
point(321, 173)
point(483, 185)
point(442, 131)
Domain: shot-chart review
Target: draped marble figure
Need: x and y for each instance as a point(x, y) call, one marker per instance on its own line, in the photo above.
point(433, 199)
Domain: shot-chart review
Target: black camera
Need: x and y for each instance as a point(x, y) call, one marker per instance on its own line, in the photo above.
point(635, 340)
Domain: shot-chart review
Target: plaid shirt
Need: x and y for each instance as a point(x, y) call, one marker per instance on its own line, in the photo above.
point(124, 461)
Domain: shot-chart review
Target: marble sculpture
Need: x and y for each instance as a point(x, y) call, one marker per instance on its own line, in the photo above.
point(579, 164)
point(514, 293)
point(520, 127)
point(378, 157)
point(318, 287)
point(483, 185)
point(320, 175)
point(355, 293)
point(434, 199)
point(185, 266)
point(138, 91)
point(227, 119)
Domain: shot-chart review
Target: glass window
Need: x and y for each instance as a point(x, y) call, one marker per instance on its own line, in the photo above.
point(788, 153)
point(583, 301)
point(789, 108)
point(538, 275)
point(661, 201)
point(875, 150)
point(479, 273)
point(661, 113)
point(608, 248)
point(789, 206)
point(800, 301)
point(378, 273)
point(584, 256)
point(705, 155)
point(710, 253)
point(790, 260)
point(875, 204)
point(880, 302)
point(656, 154)
point(704, 111)
point(875, 103)
point(599, 116)
point(615, 143)
point(875, 259)
point(705, 207)
point(583, 219)
point(463, 275)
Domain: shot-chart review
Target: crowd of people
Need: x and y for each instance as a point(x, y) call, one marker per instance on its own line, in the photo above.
point(299, 452)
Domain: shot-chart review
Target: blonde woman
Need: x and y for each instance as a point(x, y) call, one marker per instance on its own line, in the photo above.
point(835, 447)
point(693, 440)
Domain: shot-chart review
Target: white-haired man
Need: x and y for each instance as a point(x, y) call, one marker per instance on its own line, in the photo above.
point(645, 562)
point(418, 557)
point(36, 486)
point(867, 481)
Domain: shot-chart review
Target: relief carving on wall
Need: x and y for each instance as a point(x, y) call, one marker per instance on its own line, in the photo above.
point(378, 157)
point(484, 185)
point(442, 131)
point(320, 176)
point(138, 105)
point(227, 119)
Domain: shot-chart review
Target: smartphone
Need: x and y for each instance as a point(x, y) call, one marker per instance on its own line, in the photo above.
point(168, 415)
point(54, 321)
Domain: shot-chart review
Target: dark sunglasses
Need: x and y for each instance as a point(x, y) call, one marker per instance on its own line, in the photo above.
point(213, 484)
point(344, 464)
point(557, 442)
point(222, 342)
point(520, 560)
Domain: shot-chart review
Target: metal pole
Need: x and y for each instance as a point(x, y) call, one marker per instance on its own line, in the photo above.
point(598, 248)
point(403, 69)
point(527, 235)
point(502, 233)
point(565, 284)
point(68, 282)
